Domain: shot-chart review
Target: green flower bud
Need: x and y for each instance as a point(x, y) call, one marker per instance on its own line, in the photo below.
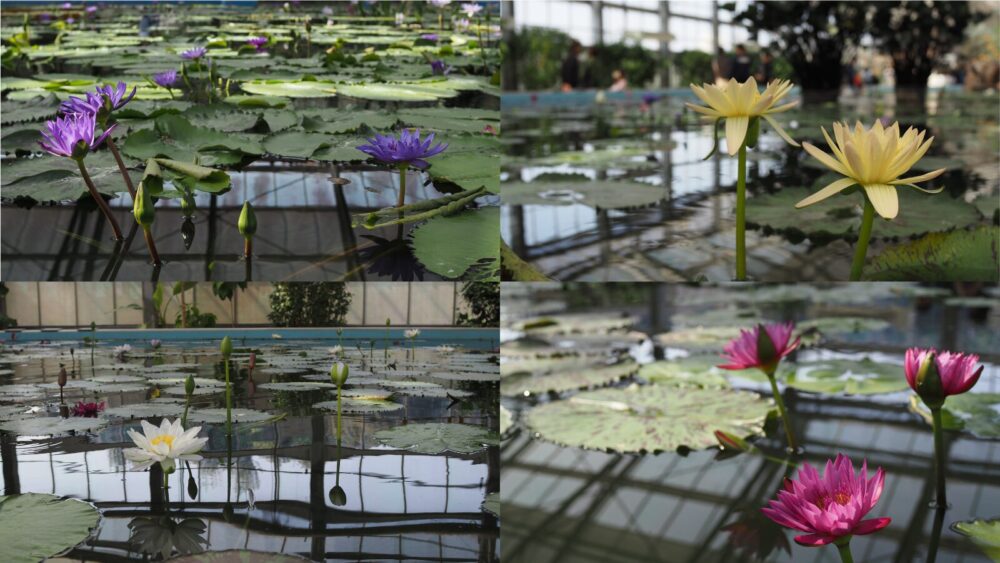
point(142, 207)
point(929, 386)
point(226, 347)
point(248, 221)
point(338, 373)
point(767, 353)
point(731, 442)
point(338, 497)
point(753, 132)
point(187, 204)
point(189, 385)
point(388, 321)
point(80, 150)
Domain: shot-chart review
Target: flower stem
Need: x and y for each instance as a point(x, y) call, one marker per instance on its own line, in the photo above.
point(247, 247)
point(866, 232)
point(338, 414)
point(100, 200)
point(121, 165)
point(942, 500)
point(147, 232)
point(402, 185)
point(845, 552)
point(741, 220)
point(229, 402)
point(785, 421)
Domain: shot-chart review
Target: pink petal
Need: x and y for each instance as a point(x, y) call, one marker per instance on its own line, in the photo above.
point(814, 540)
point(870, 526)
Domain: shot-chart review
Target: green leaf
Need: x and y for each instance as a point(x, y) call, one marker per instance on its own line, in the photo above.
point(291, 89)
point(435, 438)
point(207, 179)
point(697, 371)
point(965, 255)
point(449, 245)
point(395, 92)
point(852, 377)
point(257, 101)
point(55, 526)
point(51, 178)
point(977, 413)
point(174, 137)
point(601, 193)
point(648, 419)
point(984, 533)
point(295, 144)
point(526, 384)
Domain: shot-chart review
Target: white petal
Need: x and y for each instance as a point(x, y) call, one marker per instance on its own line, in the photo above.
point(736, 132)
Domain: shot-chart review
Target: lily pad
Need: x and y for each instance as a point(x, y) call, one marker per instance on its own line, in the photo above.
point(435, 438)
point(863, 377)
point(844, 325)
point(984, 533)
point(600, 194)
point(175, 138)
point(291, 89)
point(560, 381)
point(451, 245)
point(218, 416)
point(492, 504)
point(359, 406)
point(465, 376)
point(506, 420)
point(964, 255)
point(697, 371)
point(651, 418)
point(152, 409)
point(977, 413)
point(52, 425)
point(297, 386)
point(55, 525)
point(558, 325)
point(699, 338)
point(396, 92)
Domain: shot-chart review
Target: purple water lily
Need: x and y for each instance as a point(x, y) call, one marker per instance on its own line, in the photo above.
point(70, 20)
point(91, 9)
point(408, 149)
point(194, 54)
point(66, 6)
point(166, 79)
point(258, 43)
point(72, 135)
point(471, 9)
point(439, 68)
point(94, 102)
point(430, 36)
point(440, 3)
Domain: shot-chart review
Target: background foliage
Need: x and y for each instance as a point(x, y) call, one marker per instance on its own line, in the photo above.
point(309, 304)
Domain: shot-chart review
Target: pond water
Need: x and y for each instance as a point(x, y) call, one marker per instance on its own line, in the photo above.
point(848, 395)
point(621, 190)
point(283, 483)
point(282, 122)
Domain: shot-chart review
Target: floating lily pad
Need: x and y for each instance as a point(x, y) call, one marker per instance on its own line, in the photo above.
point(648, 418)
point(602, 194)
point(963, 255)
point(52, 425)
point(297, 386)
point(556, 325)
point(506, 419)
point(441, 392)
point(863, 377)
point(560, 381)
point(977, 413)
point(153, 409)
point(697, 371)
point(451, 245)
point(359, 406)
point(218, 416)
point(435, 438)
point(401, 384)
point(395, 92)
point(55, 526)
point(984, 533)
point(699, 338)
point(465, 376)
point(844, 325)
point(366, 393)
point(492, 504)
point(290, 89)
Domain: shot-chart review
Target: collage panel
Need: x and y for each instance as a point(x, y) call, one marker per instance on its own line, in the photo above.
point(237, 141)
point(669, 422)
point(326, 421)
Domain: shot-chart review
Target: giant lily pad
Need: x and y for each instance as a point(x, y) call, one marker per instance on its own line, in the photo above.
point(175, 138)
point(152, 409)
point(434, 438)
point(55, 525)
point(218, 416)
point(844, 325)
point(698, 371)
point(52, 425)
point(602, 194)
point(963, 255)
point(451, 245)
point(50, 178)
point(977, 413)
point(651, 418)
point(592, 376)
point(984, 533)
point(863, 377)
point(557, 325)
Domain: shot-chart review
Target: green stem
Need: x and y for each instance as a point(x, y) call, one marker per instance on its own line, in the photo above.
point(229, 402)
point(166, 480)
point(184, 418)
point(866, 232)
point(402, 185)
point(99, 200)
point(845, 552)
point(741, 220)
point(146, 232)
point(338, 414)
point(939, 467)
point(785, 421)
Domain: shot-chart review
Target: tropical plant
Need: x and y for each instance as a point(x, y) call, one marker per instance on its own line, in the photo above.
point(309, 304)
point(483, 299)
point(539, 53)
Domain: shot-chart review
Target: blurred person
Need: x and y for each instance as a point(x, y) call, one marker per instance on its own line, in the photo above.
point(721, 67)
point(741, 63)
point(765, 72)
point(570, 70)
point(618, 81)
point(588, 61)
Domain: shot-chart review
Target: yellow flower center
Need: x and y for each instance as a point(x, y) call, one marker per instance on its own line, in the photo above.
point(163, 439)
point(840, 497)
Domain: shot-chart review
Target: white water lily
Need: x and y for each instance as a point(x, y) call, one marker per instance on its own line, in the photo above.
point(337, 350)
point(412, 333)
point(739, 102)
point(164, 445)
point(445, 349)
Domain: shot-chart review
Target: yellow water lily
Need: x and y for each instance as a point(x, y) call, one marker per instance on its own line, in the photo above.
point(875, 159)
point(739, 102)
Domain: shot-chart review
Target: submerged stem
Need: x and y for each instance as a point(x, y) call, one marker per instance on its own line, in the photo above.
point(741, 204)
point(100, 200)
point(785, 421)
point(866, 232)
point(939, 463)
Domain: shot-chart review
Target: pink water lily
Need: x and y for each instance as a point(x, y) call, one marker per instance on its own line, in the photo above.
point(742, 352)
point(830, 506)
point(958, 371)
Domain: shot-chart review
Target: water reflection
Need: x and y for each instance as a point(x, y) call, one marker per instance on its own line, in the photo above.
point(164, 536)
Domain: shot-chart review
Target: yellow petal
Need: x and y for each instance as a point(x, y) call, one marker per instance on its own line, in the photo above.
point(703, 109)
point(784, 107)
point(830, 190)
point(781, 132)
point(761, 105)
point(826, 159)
point(884, 198)
point(718, 100)
point(920, 178)
point(854, 158)
point(736, 132)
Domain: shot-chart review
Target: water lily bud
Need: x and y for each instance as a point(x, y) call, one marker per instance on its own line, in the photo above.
point(731, 442)
point(62, 376)
point(338, 373)
point(338, 497)
point(189, 386)
point(192, 488)
point(187, 232)
point(142, 207)
point(226, 347)
point(253, 360)
point(753, 132)
point(248, 221)
point(767, 353)
point(388, 322)
point(188, 206)
point(929, 386)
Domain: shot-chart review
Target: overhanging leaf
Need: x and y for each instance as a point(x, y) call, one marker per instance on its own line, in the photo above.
point(450, 245)
point(55, 525)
